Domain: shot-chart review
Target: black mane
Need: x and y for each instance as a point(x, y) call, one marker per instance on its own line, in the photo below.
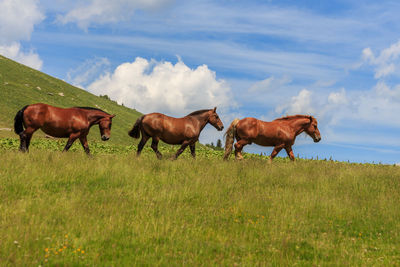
point(194, 113)
point(90, 108)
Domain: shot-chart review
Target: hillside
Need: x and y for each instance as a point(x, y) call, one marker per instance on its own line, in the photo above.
point(21, 85)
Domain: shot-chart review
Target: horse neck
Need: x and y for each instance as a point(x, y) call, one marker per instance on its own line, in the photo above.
point(202, 119)
point(93, 116)
point(298, 125)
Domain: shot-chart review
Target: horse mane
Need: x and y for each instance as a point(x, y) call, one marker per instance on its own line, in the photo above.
point(194, 113)
point(90, 108)
point(292, 117)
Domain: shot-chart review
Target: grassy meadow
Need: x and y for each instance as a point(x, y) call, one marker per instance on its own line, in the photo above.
point(114, 209)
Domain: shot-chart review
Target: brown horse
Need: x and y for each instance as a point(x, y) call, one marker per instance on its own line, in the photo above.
point(176, 131)
point(280, 133)
point(71, 123)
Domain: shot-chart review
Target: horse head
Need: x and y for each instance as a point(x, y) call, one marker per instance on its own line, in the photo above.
point(215, 121)
point(105, 127)
point(311, 129)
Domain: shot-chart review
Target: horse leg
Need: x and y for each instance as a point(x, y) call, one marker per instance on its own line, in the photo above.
point(28, 141)
point(180, 150)
point(71, 140)
point(142, 142)
point(25, 138)
point(289, 151)
point(154, 146)
point(22, 144)
point(238, 148)
point(275, 152)
point(193, 150)
point(84, 142)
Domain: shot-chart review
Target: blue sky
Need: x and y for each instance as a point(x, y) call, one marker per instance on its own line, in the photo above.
point(336, 60)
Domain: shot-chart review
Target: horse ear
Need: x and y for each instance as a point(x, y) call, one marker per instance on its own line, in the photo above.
point(311, 119)
point(112, 116)
point(215, 108)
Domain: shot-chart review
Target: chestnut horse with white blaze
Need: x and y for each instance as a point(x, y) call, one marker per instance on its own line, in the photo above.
point(71, 123)
point(280, 133)
point(175, 131)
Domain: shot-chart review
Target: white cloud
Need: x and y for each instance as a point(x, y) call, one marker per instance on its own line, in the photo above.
point(270, 83)
point(367, 55)
point(343, 115)
point(337, 98)
point(386, 63)
point(385, 70)
point(17, 20)
point(14, 52)
point(300, 104)
point(88, 71)
point(105, 11)
point(152, 86)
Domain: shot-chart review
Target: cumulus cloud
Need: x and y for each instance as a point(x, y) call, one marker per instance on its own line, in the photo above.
point(175, 89)
point(17, 20)
point(14, 52)
point(342, 115)
point(379, 106)
point(386, 63)
point(105, 11)
point(300, 104)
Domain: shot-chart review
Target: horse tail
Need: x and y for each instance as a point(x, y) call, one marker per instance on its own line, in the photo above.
point(135, 132)
point(19, 121)
point(230, 138)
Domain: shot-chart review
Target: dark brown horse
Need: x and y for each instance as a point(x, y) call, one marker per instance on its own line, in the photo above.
point(176, 131)
point(280, 133)
point(71, 123)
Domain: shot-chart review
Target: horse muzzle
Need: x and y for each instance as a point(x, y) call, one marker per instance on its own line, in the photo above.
point(105, 138)
point(317, 139)
point(220, 128)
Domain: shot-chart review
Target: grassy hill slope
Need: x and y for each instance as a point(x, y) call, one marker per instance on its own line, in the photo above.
point(21, 85)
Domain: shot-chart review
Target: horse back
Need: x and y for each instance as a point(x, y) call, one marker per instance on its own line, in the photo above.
point(55, 121)
point(169, 129)
point(263, 132)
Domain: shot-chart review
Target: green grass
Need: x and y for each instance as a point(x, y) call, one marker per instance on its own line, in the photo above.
point(123, 211)
point(114, 209)
point(19, 87)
